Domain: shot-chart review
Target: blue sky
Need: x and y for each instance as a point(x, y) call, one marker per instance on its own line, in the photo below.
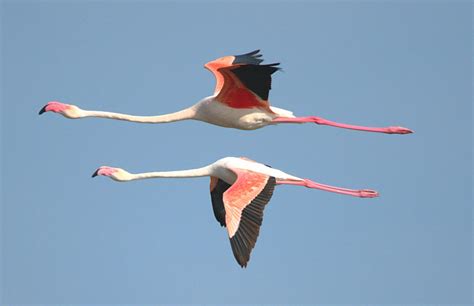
point(69, 239)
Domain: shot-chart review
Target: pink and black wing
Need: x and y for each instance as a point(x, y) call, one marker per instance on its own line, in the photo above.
point(244, 203)
point(257, 78)
point(245, 83)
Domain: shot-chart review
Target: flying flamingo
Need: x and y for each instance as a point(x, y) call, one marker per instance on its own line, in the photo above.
point(240, 189)
point(240, 101)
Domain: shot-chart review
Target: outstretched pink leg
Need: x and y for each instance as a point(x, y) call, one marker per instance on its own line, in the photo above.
point(364, 193)
point(322, 121)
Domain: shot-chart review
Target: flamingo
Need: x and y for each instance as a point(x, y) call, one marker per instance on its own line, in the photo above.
point(240, 189)
point(240, 101)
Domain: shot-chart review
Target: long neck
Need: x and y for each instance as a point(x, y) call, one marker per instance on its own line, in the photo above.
point(184, 114)
point(204, 171)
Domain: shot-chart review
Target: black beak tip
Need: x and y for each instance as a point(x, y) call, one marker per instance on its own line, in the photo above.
point(96, 172)
point(43, 110)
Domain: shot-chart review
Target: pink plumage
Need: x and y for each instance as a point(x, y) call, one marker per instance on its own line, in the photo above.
point(240, 189)
point(240, 101)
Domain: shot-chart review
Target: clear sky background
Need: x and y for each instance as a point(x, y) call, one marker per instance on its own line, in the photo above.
point(67, 238)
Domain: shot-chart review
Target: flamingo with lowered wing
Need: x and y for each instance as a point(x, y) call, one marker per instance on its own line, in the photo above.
point(240, 189)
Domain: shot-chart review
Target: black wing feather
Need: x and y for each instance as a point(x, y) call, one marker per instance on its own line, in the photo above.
point(248, 58)
point(257, 78)
point(217, 201)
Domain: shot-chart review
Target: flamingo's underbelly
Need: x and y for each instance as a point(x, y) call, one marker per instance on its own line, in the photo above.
point(239, 118)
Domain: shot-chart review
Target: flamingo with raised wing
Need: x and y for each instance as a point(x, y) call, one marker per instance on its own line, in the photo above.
point(240, 189)
point(240, 101)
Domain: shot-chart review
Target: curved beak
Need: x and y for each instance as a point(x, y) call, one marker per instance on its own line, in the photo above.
point(96, 172)
point(43, 110)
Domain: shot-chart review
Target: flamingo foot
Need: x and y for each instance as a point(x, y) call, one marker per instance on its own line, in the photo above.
point(367, 193)
point(398, 130)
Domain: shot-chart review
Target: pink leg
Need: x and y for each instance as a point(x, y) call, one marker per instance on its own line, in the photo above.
point(365, 193)
point(322, 121)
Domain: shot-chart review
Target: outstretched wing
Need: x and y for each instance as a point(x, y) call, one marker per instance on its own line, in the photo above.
point(241, 81)
point(244, 203)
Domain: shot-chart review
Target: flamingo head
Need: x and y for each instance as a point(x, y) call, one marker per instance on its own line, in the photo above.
point(116, 174)
point(67, 110)
point(220, 62)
